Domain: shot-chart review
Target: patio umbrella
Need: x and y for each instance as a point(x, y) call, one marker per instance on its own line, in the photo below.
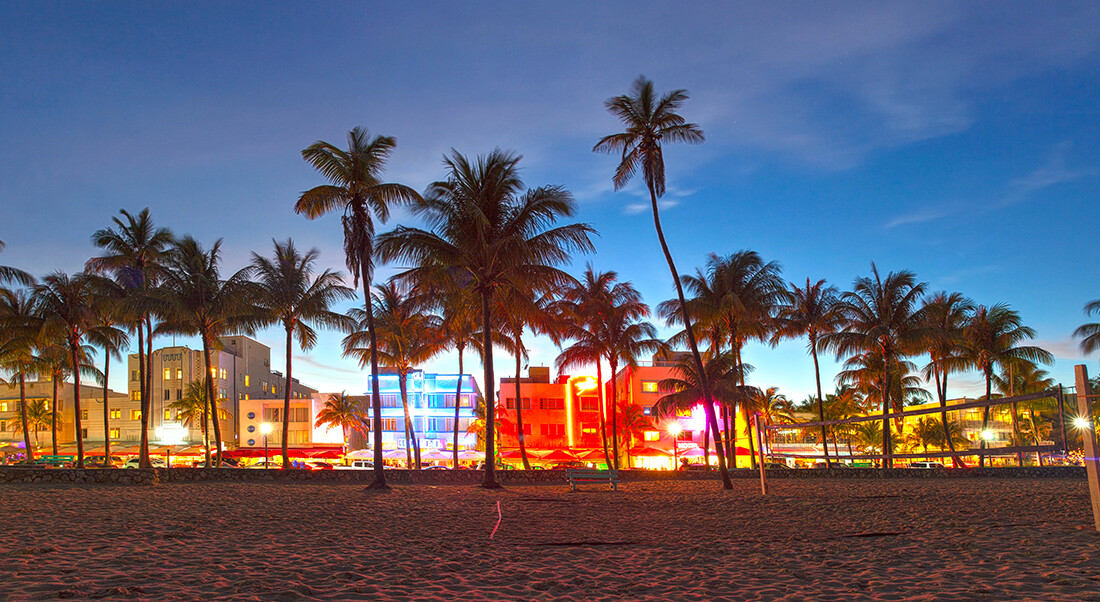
point(558, 455)
point(393, 454)
point(435, 454)
point(512, 454)
point(470, 454)
point(694, 452)
point(592, 454)
point(361, 454)
point(650, 452)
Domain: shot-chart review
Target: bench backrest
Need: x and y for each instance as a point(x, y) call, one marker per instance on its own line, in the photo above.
point(576, 472)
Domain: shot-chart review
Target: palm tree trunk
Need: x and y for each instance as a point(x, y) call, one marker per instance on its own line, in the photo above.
point(403, 387)
point(1015, 414)
point(884, 390)
point(519, 405)
point(614, 411)
point(143, 452)
point(148, 409)
point(106, 409)
point(941, 392)
point(53, 413)
point(74, 348)
point(490, 481)
point(458, 404)
point(708, 399)
point(601, 399)
point(706, 442)
point(286, 399)
point(205, 430)
point(745, 414)
point(985, 414)
point(379, 481)
point(23, 417)
point(820, 399)
point(213, 401)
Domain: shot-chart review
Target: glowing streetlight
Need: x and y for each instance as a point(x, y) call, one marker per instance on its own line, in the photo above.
point(1081, 423)
point(987, 434)
point(265, 428)
point(675, 429)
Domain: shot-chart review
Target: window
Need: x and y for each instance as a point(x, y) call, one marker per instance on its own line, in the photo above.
point(83, 414)
point(83, 433)
point(223, 393)
point(224, 374)
point(135, 395)
point(244, 396)
point(3, 426)
point(552, 404)
point(135, 414)
point(3, 406)
point(299, 414)
point(116, 413)
point(389, 400)
point(263, 385)
point(651, 436)
point(167, 394)
point(685, 436)
point(390, 424)
point(552, 430)
point(511, 403)
point(167, 414)
point(588, 429)
point(449, 401)
point(297, 437)
point(273, 414)
point(179, 373)
point(133, 375)
point(167, 373)
point(441, 425)
point(116, 433)
point(590, 404)
point(649, 386)
point(179, 393)
point(246, 380)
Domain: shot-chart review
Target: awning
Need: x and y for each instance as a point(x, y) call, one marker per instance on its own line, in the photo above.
point(558, 455)
point(650, 452)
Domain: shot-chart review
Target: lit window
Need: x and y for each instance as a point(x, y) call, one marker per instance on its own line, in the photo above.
point(167, 414)
point(167, 373)
point(83, 414)
point(652, 436)
point(116, 433)
point(246, 380)
point(135, 395)
point(649, 386)
point(179, 373)
point(135, 414)
point(224, 374)
point(4, 406)
point(116, 413)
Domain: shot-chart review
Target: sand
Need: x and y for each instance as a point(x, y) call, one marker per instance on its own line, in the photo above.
point(928, 539)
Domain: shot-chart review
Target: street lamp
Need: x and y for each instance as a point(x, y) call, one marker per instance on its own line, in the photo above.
point(1081, 423)
point(265, 428)
point(675, 429)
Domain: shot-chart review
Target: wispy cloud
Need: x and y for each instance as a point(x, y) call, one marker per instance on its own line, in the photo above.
point(920, 216)
point(636, 208)
point(1051, 173)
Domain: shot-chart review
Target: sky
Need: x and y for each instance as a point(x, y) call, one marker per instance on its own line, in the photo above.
point(956, 140)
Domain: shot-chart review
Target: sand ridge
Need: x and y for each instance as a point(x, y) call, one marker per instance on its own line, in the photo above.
point(811, 539)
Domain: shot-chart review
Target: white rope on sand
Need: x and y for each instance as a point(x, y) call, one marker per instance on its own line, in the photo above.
point(497, 526)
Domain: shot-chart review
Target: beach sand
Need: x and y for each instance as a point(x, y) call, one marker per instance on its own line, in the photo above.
point(928, 539)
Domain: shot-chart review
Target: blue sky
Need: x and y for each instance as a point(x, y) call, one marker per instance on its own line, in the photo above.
point(956, 140)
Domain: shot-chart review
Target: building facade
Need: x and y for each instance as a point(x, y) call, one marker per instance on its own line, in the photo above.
point(241, 371)
point(124, 422)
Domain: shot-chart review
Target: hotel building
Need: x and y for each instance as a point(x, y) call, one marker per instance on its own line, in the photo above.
point(125, 416)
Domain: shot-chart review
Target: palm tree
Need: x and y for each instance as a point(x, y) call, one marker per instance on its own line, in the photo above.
point(286, 293)
point(194, 411)
point(37, 417)
point(649, 121)
point(459, 328)
point(110, 313)
point(633, 424)
point(67, 308)
point(406, 337)
point(868, 435)
point(356, 189)
point(926, 431)
point(946, 315)
point(20, 328)
point(344, 412)
point(687, 391)
point(882, 320)
point(844, 403)
point(484, 226)
point(1021, 378)
point(134, 251)
point(992, 338)
point(10, 274)
point(54, 364)
point(812, 311)
point(198, 302)
point(1089, 333)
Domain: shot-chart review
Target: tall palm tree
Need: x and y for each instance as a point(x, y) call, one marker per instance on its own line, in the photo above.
point(67, 308)
point(406, 337)
point(812, 312)
point(54, 364)
point(459, 328)
point(649, 121)
point(10, 274)
point(1089, 333)
point(992, 338)
point(285, 292)
point(110, 313)
point(484, 225)
point(20, 329)
point(196, 301)
point(946, 315)
point(519, 309)
point(883, 319)
point(344, 412)
point(134, 251)
point(1021, 378)
point(355, 187)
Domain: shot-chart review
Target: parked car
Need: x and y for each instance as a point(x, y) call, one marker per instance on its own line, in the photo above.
point(437, 467)
point(154, 462)
point(925, 465)
point(316, 466)
point(358, 465)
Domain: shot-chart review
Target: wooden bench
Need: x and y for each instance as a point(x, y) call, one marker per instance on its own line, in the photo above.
point(54, 460)
point(580, 475)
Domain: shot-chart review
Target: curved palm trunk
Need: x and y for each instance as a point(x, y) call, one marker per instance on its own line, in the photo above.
point(745, 417)
point(213, 401)
point(143, 452)
point(941, 392)
point(490, 481)
point(106, 409)
point(286, 400)
point(23, 417)
point(519, 407)
point(74, 347)
point(614, 411)
point(603, 412)
point(206, 431)
point(401, 385)
point(820, 401)
point(53, 415)
point(708, 399)
point(458, 404)
point(379, 481)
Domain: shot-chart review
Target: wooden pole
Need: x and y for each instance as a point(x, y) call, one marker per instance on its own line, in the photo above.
point(1088, 436)
point(760, 444)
